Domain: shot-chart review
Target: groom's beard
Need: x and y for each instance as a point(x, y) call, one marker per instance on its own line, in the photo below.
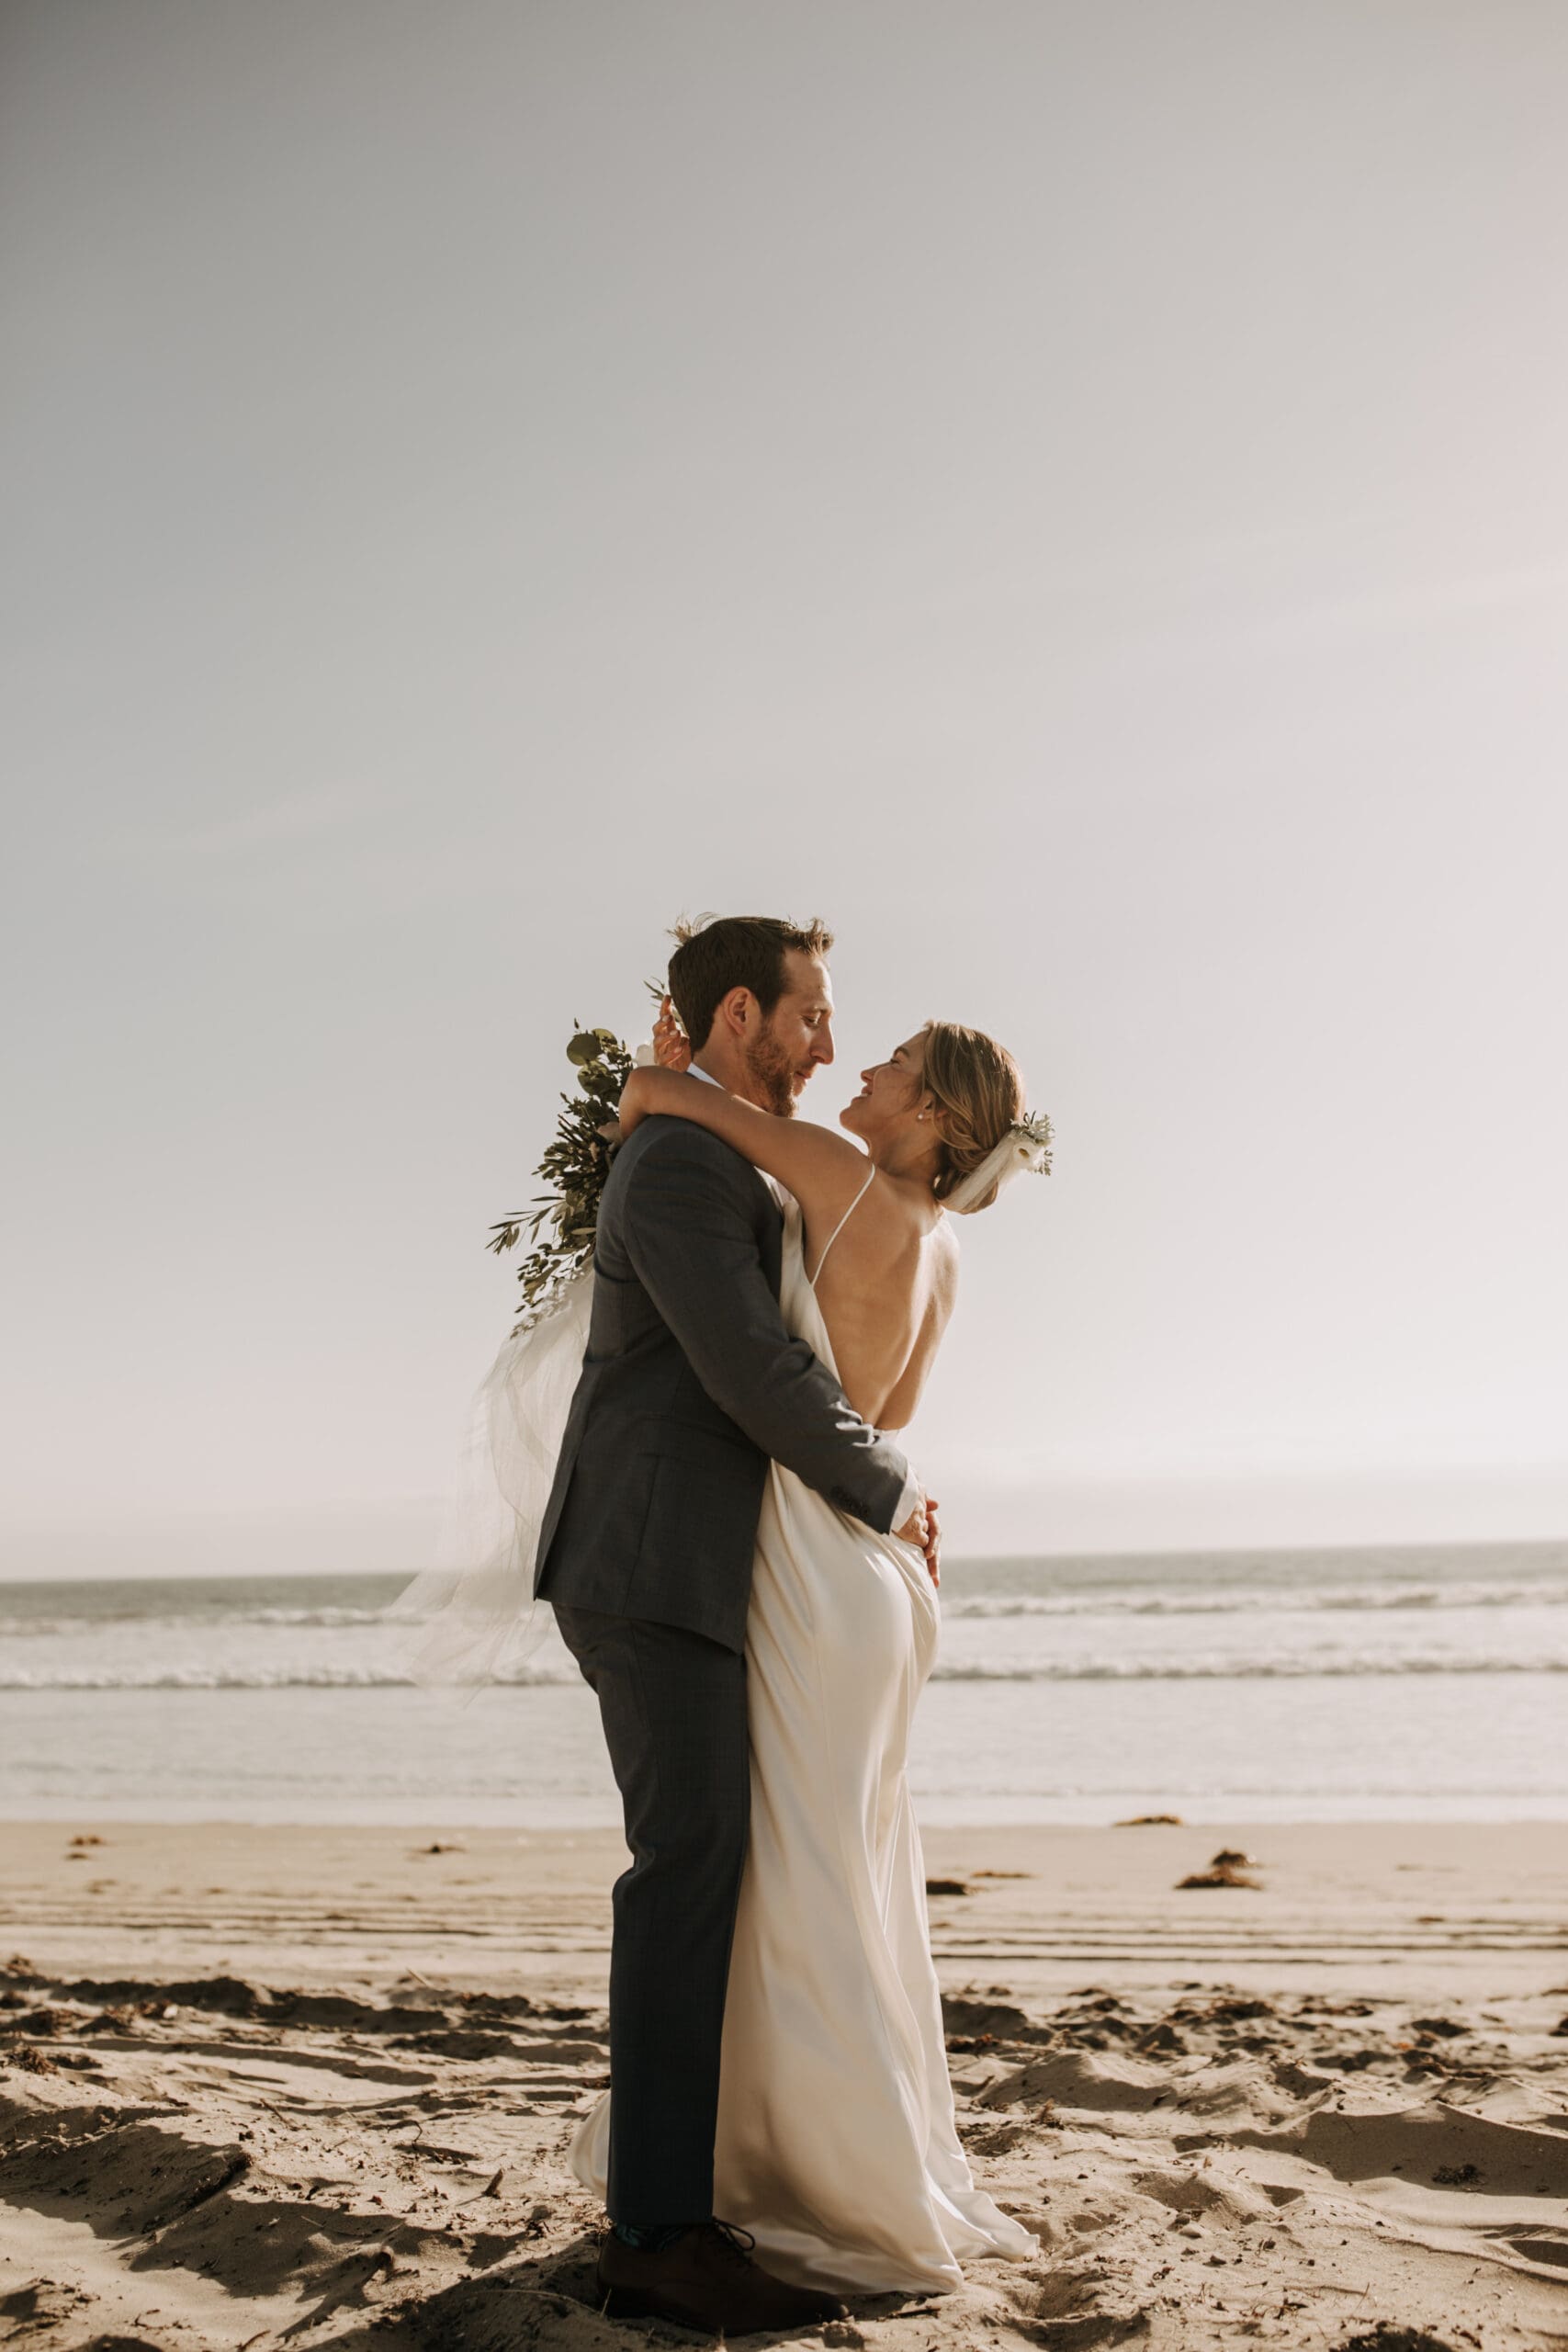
point(773, 1074)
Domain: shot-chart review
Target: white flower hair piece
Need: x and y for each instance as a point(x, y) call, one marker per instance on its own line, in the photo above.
point(1025, 1148)
point(1034, 1129)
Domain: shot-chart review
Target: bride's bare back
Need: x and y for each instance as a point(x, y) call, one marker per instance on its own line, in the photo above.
point(887, 1287)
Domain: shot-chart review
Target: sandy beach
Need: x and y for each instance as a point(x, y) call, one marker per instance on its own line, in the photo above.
point(312, 2086)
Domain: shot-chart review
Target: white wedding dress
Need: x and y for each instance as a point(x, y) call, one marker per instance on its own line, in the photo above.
point(836, 2144)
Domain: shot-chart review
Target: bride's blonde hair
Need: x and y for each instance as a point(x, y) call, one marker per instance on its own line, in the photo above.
point(979, 1090)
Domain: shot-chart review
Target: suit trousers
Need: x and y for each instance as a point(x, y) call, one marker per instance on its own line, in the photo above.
point(673, 1708)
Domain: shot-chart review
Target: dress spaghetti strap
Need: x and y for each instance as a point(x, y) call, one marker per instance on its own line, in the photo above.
point(812, 1280)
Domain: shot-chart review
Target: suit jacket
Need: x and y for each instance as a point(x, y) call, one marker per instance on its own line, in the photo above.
point(690, 1386)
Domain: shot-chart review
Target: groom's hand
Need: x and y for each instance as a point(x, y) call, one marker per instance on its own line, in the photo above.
point(933, 1540)
point(920, 1528)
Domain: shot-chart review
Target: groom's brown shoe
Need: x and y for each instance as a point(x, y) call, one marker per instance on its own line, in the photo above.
point(705, 2281)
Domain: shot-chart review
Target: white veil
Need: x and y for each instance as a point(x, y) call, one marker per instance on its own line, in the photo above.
point(473, 1616)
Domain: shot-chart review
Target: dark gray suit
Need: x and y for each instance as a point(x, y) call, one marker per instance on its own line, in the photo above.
point(689, 1385)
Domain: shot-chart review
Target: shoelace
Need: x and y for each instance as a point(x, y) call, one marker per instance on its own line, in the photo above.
point(736, 2244)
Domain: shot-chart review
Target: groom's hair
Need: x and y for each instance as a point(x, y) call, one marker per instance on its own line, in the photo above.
point(727, 952)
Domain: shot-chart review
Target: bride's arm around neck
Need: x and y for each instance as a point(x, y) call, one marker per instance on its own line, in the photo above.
point(824, 1170)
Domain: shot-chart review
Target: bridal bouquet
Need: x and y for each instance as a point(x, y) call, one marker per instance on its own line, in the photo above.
point(574, 1167)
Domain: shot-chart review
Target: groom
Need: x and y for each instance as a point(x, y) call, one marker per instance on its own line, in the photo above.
point(690, 1386)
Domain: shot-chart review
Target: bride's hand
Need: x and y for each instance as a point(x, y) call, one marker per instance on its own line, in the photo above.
point(671, 1046)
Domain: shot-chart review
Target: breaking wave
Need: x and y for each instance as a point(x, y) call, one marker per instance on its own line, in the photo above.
point(548, 1674)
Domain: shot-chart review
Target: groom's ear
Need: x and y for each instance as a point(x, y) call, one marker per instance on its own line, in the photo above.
point(737, 1010)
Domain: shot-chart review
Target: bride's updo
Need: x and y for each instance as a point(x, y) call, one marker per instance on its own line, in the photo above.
point(979, 1090)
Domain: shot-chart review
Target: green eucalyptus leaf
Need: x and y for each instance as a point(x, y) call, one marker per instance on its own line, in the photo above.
point(563, 1221)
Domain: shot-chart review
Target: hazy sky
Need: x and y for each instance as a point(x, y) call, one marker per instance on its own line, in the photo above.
point(1075, 495)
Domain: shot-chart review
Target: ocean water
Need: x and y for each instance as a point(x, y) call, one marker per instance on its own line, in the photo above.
point(1386, 1684)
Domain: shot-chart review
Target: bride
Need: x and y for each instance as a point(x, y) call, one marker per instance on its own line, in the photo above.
point(835, 2146)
